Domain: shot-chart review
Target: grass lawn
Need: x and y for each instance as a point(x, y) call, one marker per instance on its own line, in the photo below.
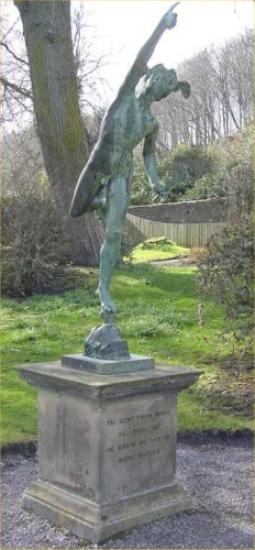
point(159, 316)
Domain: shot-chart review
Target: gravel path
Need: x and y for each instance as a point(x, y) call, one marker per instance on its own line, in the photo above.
point(178, 262)
point(218, 475)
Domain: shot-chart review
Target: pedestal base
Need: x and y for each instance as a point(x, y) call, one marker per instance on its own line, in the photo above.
point(96, 523)
point(107, 447)
point(134, 363)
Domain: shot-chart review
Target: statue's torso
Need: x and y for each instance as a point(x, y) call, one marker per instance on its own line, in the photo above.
point(123, 127)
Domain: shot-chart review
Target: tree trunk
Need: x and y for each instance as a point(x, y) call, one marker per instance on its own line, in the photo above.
point(63, 137)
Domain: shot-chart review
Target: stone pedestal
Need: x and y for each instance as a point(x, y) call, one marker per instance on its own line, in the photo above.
point(107, 447)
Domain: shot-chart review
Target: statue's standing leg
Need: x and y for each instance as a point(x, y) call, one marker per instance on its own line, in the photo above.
point(116, 209)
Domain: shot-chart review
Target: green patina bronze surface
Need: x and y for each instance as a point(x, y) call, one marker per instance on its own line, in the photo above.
point(105, 182)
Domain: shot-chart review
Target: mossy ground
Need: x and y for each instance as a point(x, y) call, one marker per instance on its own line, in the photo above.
point(156, 249)
point(159, 316)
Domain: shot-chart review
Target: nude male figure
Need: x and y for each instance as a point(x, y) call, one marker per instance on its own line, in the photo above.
point(105, 181)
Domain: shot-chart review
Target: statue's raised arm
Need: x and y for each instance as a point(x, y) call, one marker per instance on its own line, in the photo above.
point(139, 67)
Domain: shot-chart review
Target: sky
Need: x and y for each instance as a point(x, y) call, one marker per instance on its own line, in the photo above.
point(124, 25)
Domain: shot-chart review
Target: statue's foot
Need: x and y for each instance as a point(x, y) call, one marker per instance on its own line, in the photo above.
point(107, 305)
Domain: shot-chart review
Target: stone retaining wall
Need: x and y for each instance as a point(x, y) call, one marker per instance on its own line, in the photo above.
point(200, 211)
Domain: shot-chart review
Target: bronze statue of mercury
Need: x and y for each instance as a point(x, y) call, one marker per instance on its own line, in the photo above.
point(106, 181)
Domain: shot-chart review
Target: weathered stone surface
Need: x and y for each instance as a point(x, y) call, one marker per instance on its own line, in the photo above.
point(133, 363)
point(55, 377)
point(93, 523)
point(197, 211)
point(105, 342)
point(107, 447)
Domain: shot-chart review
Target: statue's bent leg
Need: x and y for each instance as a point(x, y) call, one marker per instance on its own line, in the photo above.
point(116, 209)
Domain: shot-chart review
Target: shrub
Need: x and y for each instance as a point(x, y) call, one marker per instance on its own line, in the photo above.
point(178, 170)
point(195, 255)
point(181, 168)
point(231, 164)
point(193, 173)
point(207, 187)
point(226, 269)
point(33, 241)
point(226, 273)
point(127, 244)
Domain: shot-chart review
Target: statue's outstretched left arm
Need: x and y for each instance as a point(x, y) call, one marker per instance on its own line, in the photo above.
point(139, 67)
point(149, 148)
point(150, 163)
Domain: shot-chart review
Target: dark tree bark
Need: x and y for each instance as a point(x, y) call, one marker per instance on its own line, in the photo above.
point(63, 136)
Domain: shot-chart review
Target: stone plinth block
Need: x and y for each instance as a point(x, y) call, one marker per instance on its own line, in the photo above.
point(107, 447)
point(133, 363)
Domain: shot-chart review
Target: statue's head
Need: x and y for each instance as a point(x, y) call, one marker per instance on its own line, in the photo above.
point(159, 82)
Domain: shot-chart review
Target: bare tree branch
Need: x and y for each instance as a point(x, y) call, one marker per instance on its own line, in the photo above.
point(7, 84)
point(10, 29)
point(7, 47)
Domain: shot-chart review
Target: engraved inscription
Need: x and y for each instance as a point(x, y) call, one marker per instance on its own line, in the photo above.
point(110, 422)
point(137, 437)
